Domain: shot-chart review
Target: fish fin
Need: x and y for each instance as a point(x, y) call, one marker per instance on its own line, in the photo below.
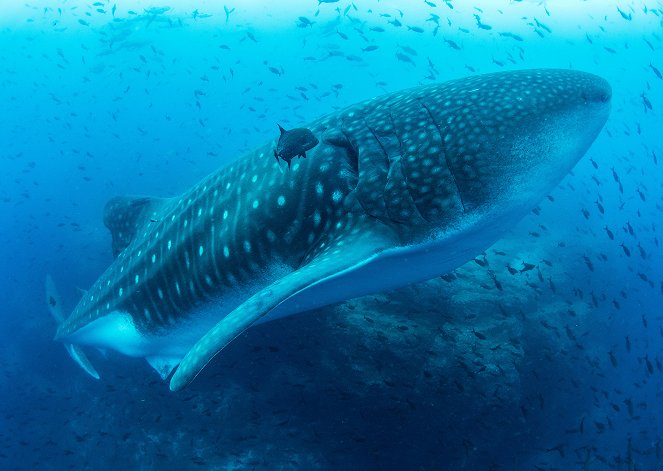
point(55, 307)
point(163, 365)
point(77, 354)
point(281, 129)
point(324, 264)
point(125, 215)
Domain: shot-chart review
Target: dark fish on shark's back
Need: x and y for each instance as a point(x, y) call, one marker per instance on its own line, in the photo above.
point(294, 143)
point(390, 194)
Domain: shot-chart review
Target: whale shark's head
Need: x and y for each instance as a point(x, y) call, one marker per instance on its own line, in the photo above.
point(513, 136)
point(509, 138)
point(485, 144)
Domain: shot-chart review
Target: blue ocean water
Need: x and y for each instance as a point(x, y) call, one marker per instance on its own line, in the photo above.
point(555, 367)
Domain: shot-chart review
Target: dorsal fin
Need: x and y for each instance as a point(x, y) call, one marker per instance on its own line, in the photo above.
point(124, 215)
point(281, 129)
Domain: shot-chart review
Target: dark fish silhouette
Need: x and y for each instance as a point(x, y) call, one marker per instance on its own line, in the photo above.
point(294, 143)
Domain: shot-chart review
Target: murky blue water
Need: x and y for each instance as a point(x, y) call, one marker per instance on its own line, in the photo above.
point(103, 99)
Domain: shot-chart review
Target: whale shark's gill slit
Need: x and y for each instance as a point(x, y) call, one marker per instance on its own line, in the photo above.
point(351, 153)
point(444, 151)
point(398, 138)
point(338, 137)
point(377, 139)
point(399, 163)
point(387, 162)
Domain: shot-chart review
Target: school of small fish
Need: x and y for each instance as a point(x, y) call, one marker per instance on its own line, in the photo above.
point(543, 353)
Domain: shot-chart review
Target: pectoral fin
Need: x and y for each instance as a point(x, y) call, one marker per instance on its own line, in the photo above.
point(342, 253)
point(81, 359)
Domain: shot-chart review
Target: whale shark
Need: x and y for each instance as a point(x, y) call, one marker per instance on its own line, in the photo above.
point(401, 188)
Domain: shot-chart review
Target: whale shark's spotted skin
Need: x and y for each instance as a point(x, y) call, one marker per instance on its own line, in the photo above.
point(441, 169)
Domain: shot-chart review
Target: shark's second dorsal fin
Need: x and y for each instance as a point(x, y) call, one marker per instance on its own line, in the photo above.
point(124, 215)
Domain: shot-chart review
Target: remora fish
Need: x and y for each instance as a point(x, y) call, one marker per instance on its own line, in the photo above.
point(401, 188)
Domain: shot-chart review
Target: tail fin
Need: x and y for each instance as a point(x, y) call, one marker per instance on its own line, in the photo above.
point(55, 307)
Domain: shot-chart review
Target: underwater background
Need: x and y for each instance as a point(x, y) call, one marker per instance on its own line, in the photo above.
point(545, 353)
